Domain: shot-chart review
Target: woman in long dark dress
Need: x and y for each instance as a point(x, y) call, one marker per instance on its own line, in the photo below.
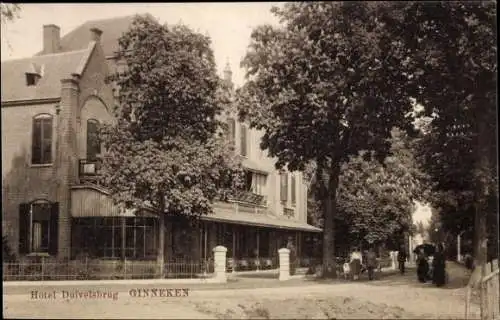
point(422, 267)
point(439, 267)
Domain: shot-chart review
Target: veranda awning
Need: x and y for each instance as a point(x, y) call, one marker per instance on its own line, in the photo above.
point(261, 219)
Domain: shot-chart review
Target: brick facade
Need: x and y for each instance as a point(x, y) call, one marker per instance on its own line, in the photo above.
point(24, 182)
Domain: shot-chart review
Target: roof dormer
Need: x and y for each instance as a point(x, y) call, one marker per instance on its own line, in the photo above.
point(33, 74)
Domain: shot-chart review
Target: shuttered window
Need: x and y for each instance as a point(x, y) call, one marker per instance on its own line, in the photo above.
point(284, 186)
point(41, 149)
point(38, 227)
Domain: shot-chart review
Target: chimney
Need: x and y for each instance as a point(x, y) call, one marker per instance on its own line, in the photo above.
point(51, 39)
point(95, 34)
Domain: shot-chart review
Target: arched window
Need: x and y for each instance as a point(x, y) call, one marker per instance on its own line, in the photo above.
point(41, 149)
point(93, 141)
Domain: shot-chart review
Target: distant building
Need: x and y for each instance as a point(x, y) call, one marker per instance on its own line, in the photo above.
point(52, 106)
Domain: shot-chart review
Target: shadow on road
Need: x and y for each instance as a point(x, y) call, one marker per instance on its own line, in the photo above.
point(458, 277)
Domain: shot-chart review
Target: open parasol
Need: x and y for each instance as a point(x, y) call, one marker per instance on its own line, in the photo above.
point(429, 249)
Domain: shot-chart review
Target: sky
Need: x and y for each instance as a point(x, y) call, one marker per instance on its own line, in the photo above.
point(422, 213)
point(228, 24)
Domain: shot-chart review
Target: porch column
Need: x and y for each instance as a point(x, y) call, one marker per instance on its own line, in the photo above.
point(205, 240)
point(168, 241)
point(123, 221)
point(234, 248)
point(258, 248)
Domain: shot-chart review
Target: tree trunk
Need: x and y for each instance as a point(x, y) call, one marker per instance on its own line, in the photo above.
point(482, 176)
point(330, 210)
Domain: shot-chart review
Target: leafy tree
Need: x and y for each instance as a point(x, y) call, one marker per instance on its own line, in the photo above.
point(322, 89)
point(9, 11)
point(451, 67)
point(166, 149)
point(377, 199)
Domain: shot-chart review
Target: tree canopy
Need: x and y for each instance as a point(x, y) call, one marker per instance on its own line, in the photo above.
point(452, 50)
point(9, 11)
point(167, 148)
point(378, 199)
point(323, 89)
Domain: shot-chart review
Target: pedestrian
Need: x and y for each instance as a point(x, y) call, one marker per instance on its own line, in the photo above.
point(356, 261)
point(402, 259)
point(439, 267)
point(371, 262)
point(422, 266)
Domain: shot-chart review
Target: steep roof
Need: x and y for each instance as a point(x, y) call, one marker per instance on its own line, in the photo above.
point(112, 30)
point(52, 68)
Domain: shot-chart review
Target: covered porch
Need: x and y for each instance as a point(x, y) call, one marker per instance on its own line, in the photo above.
point(251, 235)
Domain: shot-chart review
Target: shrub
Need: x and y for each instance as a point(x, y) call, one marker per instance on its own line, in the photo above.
point(8, 254)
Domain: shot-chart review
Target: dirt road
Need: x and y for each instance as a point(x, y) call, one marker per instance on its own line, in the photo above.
point(390, 297)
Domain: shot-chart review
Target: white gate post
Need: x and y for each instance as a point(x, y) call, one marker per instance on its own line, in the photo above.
point(394, 256)
point(220, 263)
point(284, 256)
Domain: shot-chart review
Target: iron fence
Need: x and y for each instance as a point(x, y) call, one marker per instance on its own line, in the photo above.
point(252, 264)
point(91, 269)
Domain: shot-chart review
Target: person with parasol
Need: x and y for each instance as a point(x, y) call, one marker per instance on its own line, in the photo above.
point(423, 251)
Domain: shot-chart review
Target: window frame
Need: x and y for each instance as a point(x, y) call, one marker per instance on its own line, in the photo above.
point(88, 142)
point(284, 187)
point(27, 228)
point(110, 228)
point(42, 117)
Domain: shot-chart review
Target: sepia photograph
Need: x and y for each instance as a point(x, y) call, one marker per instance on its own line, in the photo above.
point(250, 160)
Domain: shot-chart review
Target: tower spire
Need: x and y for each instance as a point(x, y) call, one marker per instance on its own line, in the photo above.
point(228, 74)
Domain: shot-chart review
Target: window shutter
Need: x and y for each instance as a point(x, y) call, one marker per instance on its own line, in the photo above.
point(24, 226)
point(243, 140)
point(284, 186)
point(292, 189)
point(231, 124)
point(54, 229)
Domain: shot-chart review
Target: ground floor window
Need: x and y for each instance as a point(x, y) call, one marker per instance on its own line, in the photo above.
point(134, 238)
point(38, 227)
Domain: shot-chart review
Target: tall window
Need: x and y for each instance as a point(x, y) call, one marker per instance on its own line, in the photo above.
point(41, 152)
point(292, 190)
point(283, 186)
point(259, 183)
point(93, 141)
point(38, 227)
point(244, 142)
